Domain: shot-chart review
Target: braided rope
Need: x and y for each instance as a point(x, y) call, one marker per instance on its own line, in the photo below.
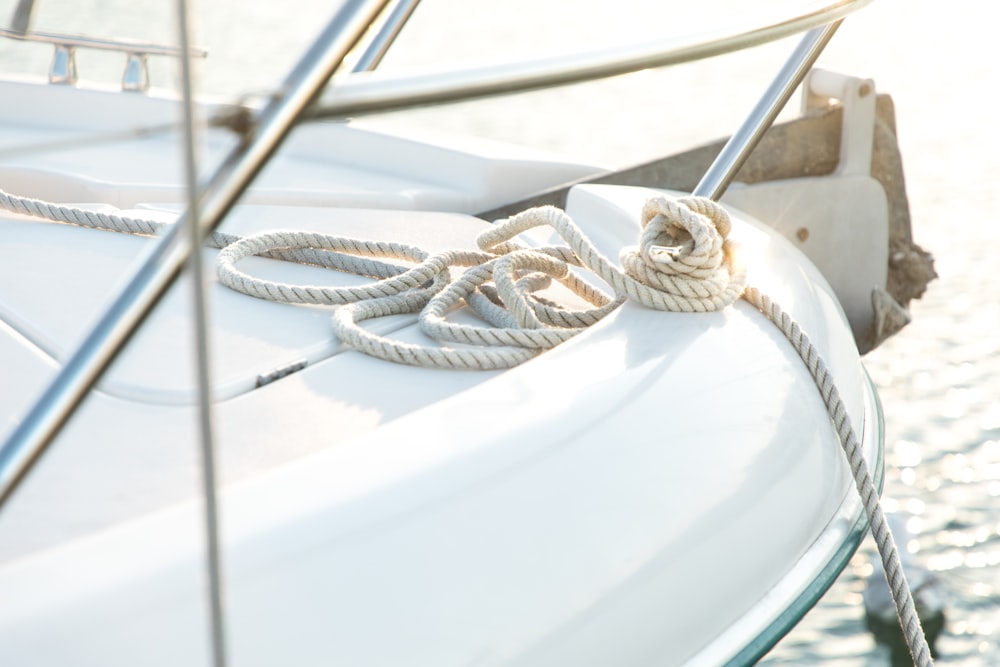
point(502, 282)
point(703, 275)
point(78, 216)
point(913, 632)
point(684, 262)
point(82, 217)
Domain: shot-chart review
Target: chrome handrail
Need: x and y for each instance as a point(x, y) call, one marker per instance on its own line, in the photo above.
point(21, 20)
point(201, 342)
point(372, 92)
point(392, 24)
point(119, 45)
point(734, 154)
point(63, 69)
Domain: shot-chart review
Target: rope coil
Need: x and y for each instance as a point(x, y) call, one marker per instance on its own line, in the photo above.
point(502, 282)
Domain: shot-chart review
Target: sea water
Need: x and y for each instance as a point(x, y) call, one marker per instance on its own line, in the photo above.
point(939, 379)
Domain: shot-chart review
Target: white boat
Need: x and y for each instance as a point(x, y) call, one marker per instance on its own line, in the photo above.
point(661, 488)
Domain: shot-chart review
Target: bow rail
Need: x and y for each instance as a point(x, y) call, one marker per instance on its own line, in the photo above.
point(63, 70)
point(375, 92)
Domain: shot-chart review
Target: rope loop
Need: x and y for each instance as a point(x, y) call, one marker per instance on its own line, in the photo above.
point(685, 256)
point(365, 258)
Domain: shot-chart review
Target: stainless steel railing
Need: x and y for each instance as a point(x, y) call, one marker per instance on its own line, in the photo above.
point(371, 92)
point(63, 69)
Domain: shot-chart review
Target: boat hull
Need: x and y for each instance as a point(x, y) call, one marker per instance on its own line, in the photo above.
point(664, 488)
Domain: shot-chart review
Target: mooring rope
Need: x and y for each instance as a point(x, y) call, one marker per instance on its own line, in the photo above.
point(902, 597)
point(140, 227)
point(684, 263)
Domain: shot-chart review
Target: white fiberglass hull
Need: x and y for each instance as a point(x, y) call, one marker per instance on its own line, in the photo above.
point(664, 488)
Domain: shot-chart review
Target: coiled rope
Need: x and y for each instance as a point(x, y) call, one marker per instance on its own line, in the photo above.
point(684, 262)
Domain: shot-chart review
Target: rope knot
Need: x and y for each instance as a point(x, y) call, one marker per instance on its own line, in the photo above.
point(685, 256)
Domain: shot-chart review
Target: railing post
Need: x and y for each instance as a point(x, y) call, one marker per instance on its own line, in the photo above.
point(63, 65)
